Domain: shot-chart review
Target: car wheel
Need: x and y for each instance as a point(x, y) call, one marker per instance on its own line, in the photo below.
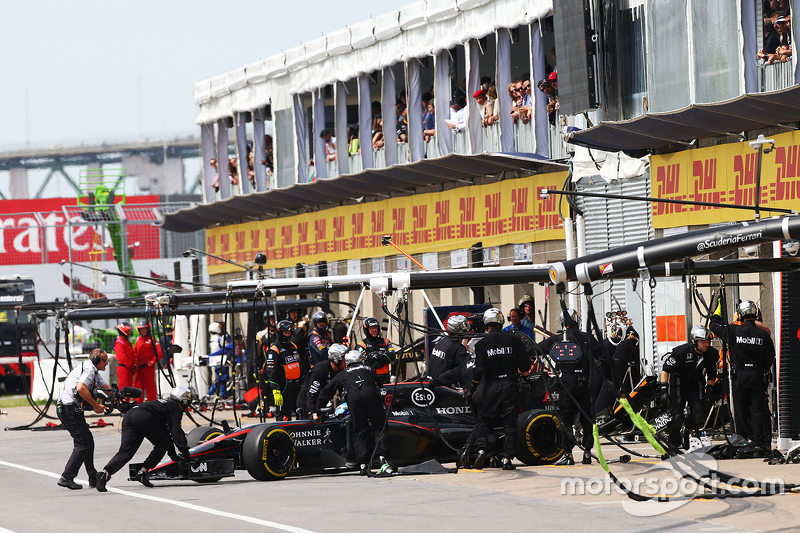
point(202, 434)
point(538, 437)
point(268, 453)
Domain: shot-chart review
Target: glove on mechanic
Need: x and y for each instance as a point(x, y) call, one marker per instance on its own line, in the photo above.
point(276, 394)
point(664, 398)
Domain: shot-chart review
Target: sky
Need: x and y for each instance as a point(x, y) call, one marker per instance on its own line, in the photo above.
point(91, 71)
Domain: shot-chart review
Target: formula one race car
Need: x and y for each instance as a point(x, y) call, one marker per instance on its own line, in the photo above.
point(425, 423)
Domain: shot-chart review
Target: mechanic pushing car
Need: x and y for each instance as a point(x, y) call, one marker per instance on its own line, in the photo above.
point(447, 364)
point(126, 360)
point(319, 339)
point(378, 352)
point(682, 382)
point(575, 384)
point(752, 356)
point(147, 351)
point(159, 422)
point(318, 378)
point(77, 391)
point(282, 371)
point(498, 357)
point(359, 385)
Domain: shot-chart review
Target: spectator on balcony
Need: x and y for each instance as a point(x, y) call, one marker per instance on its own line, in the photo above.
point(215, 181)
point(458, 115)
point(547, 88)
point(330, 144)
point(426, 114)
point(233, 171)
point(251, 169)
point(268, 161)
point(491, 95)
point(377, 133)
point(461, 92)
point(778, 43)
point(402, 124)
point(553, 79)
point(485, 108)
point(486, 82)
point(353, 144)
point(430, 123)
point(515, 91)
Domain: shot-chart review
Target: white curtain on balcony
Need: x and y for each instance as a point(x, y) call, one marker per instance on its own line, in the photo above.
point(340, 118)
point(365, 121)
point(207, 136)
point(442, 99)
point(222, 158)
point(389, 112)
point(300, 135)
point(541, 127)
point(259, 150)
point(473, 53)
point(240, 132)
point(320, 161)
point(414, 101)
point(503, 99)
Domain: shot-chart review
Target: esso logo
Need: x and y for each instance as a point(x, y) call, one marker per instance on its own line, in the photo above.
point(388, 399)
point(423, 397)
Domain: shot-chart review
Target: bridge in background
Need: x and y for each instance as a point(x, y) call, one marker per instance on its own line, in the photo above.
point(157, 165)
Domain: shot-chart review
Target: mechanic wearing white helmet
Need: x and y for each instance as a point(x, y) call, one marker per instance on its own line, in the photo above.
point(318, 378)
point(682, 382)
point(498, 358)
point(752, 356)
point(447, 363)
point(359, 385)
point(159, 422)
point(575, 379)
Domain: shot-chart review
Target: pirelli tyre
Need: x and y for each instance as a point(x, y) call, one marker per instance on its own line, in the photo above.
point(202, 434)
point(538, 437)
point(268, 453)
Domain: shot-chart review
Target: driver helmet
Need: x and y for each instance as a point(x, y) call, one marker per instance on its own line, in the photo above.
point(371, 322)
point(493, 316)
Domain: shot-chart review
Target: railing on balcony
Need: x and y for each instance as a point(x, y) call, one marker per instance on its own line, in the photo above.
point(524, 137)
point(379, 158)
point(491, 138)
point(431, 149)
point(356, 165)
point(775, 76)
point(558, 148)
point(403, 153)
point(461, 142)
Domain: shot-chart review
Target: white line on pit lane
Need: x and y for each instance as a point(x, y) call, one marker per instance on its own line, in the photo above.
point(185, 505)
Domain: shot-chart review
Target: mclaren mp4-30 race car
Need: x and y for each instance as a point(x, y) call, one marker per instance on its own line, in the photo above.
point(424, 423)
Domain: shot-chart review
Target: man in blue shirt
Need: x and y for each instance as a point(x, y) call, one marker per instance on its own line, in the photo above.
point(515, 317)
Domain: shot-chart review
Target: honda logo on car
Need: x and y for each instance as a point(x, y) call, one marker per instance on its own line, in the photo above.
point(422, 397)
point(461, 410)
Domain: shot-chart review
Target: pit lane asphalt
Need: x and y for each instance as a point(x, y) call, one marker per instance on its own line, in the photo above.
point(527, 499)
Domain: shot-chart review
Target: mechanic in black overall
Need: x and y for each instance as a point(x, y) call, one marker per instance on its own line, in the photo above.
point(158, 421)
point(77, 391)
point(498, 357)
point(282, 371)
point(447, 364)
point(318, 377)
point(625, 358)
point(319, 339)
point(264, 339)
point(752, 356)
point(682, 382)
point(359, 385)
point(575, 380)
point(378, 352)
point(300, 337)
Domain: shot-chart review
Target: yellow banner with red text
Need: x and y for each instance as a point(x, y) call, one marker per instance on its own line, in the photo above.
point(509, 211)
point(725, 174)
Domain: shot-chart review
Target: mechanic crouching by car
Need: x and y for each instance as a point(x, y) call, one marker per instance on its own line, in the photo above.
point(575, 395)
point(319, 339)
point(752, 356)
point(447, 364)
point(159, 422)
point(682, 381)
point(318, 378)
point(498, 358)
point(77, 391)
point(378, 352)
point(359, 386)
point(282, 371)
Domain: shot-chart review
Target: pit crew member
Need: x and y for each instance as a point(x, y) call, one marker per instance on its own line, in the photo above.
point(126, 359)
point(282, 371)
point(147, 351)
point(318, 378)
point(378, 352)
point(447, 364)
point(319, 339)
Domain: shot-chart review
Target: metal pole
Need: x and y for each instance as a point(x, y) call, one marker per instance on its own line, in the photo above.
point(355, 312)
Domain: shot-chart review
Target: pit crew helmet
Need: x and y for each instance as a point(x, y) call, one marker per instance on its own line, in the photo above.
point(572, 313)
point(125, 328)
point(747, 308)
point(319, 316)
point(493, 316)
point(458, 324)
point(215, 328)
point(284, 325)
point(699, 333)
point(369, 323)
point(337, 352)
point(182, 395)
point(353, 357)
point(526, 299)
point(141, 324)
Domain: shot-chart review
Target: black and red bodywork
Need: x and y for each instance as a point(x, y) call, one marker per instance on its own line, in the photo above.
point(17, 335)
point(421, 418)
